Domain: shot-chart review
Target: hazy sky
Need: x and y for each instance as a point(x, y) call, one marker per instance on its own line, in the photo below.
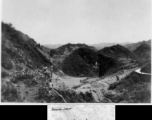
point(80, 21)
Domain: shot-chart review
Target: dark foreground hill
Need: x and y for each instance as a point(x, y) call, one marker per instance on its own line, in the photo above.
point(80, 62)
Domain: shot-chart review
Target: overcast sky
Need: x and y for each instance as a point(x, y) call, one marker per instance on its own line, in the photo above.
point(80, 21)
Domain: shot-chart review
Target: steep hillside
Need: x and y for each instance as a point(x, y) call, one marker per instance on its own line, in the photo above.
point(117, 51)
point(143, 51)
point(22, 62)
point(18, 48)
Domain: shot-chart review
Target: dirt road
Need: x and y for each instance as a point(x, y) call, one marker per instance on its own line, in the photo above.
point(99, 86)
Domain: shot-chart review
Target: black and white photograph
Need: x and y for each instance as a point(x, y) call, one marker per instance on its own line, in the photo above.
point(76, 51)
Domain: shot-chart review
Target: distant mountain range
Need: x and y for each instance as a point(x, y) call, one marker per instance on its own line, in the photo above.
point(52, 46)
point(128, 45)
point(97, 46)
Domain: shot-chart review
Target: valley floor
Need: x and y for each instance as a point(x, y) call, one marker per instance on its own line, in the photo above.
point(100, 88)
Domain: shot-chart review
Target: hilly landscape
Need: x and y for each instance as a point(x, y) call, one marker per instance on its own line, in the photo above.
point(81, 73)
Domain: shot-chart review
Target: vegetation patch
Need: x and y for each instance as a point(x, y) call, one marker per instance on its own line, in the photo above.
point(30, 82)
point(21, 77)
point(69, 95)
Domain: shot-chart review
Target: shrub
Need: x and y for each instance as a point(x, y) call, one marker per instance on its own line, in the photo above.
point(30, 82)
point(21, 77)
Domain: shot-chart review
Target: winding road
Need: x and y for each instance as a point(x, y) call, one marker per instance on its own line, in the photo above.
point(99, 86)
